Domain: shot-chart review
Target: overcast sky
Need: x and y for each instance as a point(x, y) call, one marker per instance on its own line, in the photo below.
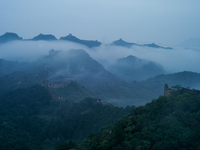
point(165, 22)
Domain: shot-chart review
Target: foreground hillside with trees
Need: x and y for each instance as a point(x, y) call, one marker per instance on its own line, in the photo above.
point(166, 123)
point(31, 119)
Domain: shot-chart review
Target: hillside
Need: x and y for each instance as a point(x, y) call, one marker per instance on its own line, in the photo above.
point(47, 37)
point(92, 79)
point(185, 79)
point(123, 43)
point(89, 73)
point(166, 123)
point(132, 68)
point(8, 37)
point(153, 45)
point(88, 43)
point(31, 119)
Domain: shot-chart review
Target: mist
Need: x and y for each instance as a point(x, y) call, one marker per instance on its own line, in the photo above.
point(174, 60)
point(33, 50)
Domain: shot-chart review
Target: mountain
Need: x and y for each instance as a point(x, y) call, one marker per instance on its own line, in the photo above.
point(76, 71)
point(132, 68)
point(72, 65)
point(44, 37)
point(89, 78)
point(166, 123)
point(185, 79)
point(79, 65)
point(36, 121)
point(123, 43)
point(8, 36)
point(87, 43)
point(7, 67)
point(156, 46)
point(156, 84)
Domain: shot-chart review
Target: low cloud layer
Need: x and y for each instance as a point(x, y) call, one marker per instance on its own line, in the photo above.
point(175, 60)
point(32, 50)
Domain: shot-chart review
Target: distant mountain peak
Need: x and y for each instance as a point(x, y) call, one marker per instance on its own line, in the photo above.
point(70, 37)
point(153, 45)
point(45, 37)
point(9, 36)
point(88, 43)
point(123, 43)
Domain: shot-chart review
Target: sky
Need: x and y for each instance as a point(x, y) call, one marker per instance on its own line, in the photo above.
point(164, 22)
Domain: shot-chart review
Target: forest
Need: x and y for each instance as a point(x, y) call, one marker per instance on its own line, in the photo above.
point(166, 123)
point(31, 119)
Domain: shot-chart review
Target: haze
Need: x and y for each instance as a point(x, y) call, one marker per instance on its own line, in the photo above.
point(166, 22)
point(175, 60)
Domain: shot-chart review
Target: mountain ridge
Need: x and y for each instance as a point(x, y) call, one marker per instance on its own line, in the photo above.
point(7, 37)
point(46, 37)
point(132, 68)
point(123, 43)
point(88, 43)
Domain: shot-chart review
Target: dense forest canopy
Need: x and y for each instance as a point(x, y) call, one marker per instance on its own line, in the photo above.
point(29, 117)
point(166, 123)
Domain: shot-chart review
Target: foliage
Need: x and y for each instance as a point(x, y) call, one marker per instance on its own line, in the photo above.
point(73, 91)
point(20, 80)
point(30, 116)
point(67, 145)
point(166, 123)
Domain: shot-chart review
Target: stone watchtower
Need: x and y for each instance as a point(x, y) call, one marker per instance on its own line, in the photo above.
point(167, 90)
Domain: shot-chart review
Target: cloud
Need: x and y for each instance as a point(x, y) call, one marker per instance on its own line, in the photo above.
point(32, 50)
point(174, 60)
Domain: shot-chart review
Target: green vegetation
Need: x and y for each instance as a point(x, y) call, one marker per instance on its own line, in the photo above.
point(20, 80)
point(74, 92)
point(31, 119)
point(166, 123)
point(154, 87)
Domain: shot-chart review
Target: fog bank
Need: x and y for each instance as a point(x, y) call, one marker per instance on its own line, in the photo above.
point(174, 60)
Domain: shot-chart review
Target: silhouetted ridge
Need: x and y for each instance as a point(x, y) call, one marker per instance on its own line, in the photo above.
point(156, 46)
point(133, 68)
point(47, 37)
point(8, 36)
point(88, 43)
point(123, 43)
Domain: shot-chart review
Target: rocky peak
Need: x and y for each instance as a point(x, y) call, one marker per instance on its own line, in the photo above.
point(8, 36)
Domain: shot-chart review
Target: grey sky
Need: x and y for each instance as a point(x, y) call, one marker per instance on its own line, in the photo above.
point(165, 22)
